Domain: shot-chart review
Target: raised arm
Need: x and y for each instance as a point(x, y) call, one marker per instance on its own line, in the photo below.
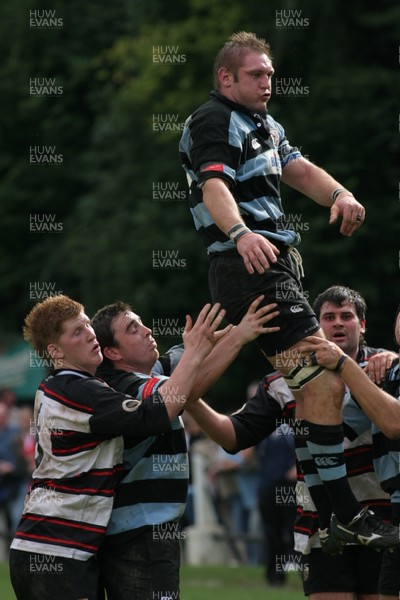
point(228, 347)
point(199, 340)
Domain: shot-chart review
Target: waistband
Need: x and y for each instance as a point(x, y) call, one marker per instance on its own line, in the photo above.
point(283, 249)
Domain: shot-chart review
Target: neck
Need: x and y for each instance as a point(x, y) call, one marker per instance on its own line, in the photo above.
point(66, 365)
point(133, 367)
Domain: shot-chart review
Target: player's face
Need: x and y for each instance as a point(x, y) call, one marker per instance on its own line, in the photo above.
point(252, 86)
point(77, 347)
point(342, 326)
point(136, 346)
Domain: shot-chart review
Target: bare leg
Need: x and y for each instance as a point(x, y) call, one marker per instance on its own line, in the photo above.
point(320, 402)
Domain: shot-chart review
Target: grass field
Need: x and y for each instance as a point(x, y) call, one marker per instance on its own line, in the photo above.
point(208, 583)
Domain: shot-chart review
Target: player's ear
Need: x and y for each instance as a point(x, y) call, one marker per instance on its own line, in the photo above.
point(363, 326)
point(111, 353)
point(225, 77)
point(55, 351)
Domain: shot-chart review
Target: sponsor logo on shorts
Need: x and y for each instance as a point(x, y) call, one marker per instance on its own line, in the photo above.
point(296, 308)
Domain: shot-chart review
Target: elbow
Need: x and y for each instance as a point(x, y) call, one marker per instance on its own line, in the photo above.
point(392, 431)
point(230, 446)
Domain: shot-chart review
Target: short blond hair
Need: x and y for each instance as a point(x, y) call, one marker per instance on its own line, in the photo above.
point(44, 324)
point(235, 49)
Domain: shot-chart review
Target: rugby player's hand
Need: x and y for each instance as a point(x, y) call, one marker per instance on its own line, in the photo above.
point(253, 323)
point(257, 252)
point(202, 336)
point(351, 212)
point(378, 364)
point(320, 351)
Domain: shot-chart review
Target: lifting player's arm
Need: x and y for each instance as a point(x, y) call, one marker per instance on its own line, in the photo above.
point(228, 347)
point(381, 408)
point(218, 427)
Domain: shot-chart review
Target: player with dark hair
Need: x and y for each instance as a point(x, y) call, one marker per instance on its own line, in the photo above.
point(140, 557)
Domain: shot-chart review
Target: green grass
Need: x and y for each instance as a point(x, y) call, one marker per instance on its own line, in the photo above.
point(208, 583)
point(6, 591)
point(238, 583)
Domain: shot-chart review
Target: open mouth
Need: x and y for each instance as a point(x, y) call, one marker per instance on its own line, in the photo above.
point(338, 337)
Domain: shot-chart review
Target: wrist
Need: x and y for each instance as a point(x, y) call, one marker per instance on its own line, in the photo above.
point(237, 231)
point(338, 192)
point(242, 234)
point(236, 338)
point(339, 364)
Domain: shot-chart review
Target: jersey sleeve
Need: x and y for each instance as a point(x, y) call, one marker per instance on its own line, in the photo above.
point(216, 149)
point(266, 411)
point(116, 413)
point(138, 386)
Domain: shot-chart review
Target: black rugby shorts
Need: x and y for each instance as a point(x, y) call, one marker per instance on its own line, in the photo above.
point(235, 289)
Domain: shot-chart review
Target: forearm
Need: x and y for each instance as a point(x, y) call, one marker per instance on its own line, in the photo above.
point(311, 180)
point(381, 408)
point(220, 204)
point(176, 391)
point(216, 363)
point(216, 426)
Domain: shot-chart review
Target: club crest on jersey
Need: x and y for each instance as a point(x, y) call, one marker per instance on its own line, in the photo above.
point(130, 405)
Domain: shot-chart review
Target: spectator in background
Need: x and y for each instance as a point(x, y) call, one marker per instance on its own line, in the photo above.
point(7, 397)
point(25, 422)
point(247, 482)
point(13, 470)
point(27, 429)
point(276, 497)
point(234, 482)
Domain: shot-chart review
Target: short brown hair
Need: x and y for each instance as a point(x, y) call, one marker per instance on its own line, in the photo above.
point(103, 322)
point(44, 324)
point(235, 49)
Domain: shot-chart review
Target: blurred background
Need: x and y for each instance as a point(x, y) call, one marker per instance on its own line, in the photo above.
point(93, 200)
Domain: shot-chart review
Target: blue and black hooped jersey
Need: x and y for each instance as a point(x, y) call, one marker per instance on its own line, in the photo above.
point(386, 451)
point(154, 487)
point(225, 140)
point(273, 405)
